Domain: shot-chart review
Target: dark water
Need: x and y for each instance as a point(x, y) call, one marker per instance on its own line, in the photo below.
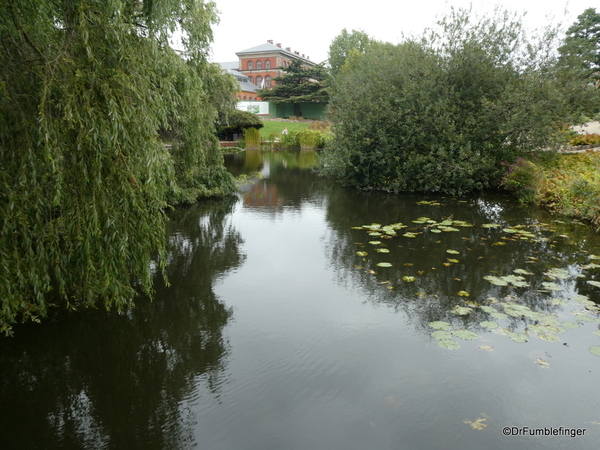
point(276, 334)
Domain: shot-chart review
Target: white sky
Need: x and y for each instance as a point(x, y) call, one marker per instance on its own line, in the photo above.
point(309, 26)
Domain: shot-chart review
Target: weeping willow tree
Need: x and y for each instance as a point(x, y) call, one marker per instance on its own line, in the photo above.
point(85, 87)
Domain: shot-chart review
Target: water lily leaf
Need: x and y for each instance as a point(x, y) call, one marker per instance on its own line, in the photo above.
point(591, 266)
point(497, 281)
point(542, 363)
point(409, 235)
point(418, 221)
point(463, 294)
point(384, 264)
point(465, 334)
point(362, 253)
point(448, 343)
point(499, 243)
point(594, 283)
point(499, 315)
point(408, 279)
point(490, 225)
point(374, 242)
point(553, 286)
point(488, 309)
point(453, 260)
point(522, 272)
point(461, 310)
point(382, 250)
point(519, 337)
point(557, 274)
point(593, 257)
point(549, 337)
point(440, 325)
point(489, 324)
point(442, 335)
point(449, 229)
point(509, 230)
point(477, 425)
point(597, 332)
point(452, 252)
point(374, 233)
point(570, 325)
point(435, 230)
point(486, 347)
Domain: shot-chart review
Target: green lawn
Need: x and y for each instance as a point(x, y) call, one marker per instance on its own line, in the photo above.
point(272, 126)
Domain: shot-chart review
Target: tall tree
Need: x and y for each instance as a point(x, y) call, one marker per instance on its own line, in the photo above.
point(85, 86)
point(581, 49)
point(299, 84)
point(343, 44)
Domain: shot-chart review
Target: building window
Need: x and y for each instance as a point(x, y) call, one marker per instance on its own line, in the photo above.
point(268, 81)
point(259, 64)
point(251, 79)
point(250, 65)
point(268, 64)
point(244, 98)
point(259, 81)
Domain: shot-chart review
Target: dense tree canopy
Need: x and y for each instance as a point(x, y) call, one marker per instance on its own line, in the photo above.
point(85, 87)
point(299, 84)
point(581, 49)
point(343, 44)
point(443, 113)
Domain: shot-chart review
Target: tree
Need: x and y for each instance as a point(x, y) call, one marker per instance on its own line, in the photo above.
point(85, 86)
point(343, 44)
point(581, 48)
point(299, 84)
point(443, 113)
point(237, 121)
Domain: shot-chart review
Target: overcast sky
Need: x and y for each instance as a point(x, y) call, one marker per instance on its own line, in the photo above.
point(309, 26)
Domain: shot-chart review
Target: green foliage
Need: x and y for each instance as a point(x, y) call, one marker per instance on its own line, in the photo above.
point(581, 48)
point(85, 87)
point(343, 44)
point(299, 84)
point(311, 139)
point(252, 138)
point(237, 121)
point(568, 184)
point(585, 139)
point(441, 114)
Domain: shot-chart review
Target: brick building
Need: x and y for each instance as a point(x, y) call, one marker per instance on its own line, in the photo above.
point(260, 64)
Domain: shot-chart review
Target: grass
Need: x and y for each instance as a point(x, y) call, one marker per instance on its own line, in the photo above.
point(273, 126)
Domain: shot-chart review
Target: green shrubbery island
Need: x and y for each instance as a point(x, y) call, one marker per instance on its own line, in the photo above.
point(443, 113)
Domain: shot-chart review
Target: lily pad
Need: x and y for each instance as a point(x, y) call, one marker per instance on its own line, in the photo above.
point(362, 253)
point(409, 235)
point(594, 283)
point(490, 225)
point(461, 310)
point(595, 350)
point(453, 260)
point(557, 274)
point(463, 293)
point(488, 309)
point(465, 334)
point(489, 324)
point(448, 343)
point(453, 252)
point(519, 337)
point(553, 286)
point(384, 264)
point(499, 315)
point(442, 335)
point(374, 242)
point(382, 250)
point(542, 363)
point(440, 325)
point(408, 279)
point(570, 325)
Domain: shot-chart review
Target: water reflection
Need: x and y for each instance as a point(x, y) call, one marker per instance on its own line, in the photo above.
point(434, 271)
point(100, 380)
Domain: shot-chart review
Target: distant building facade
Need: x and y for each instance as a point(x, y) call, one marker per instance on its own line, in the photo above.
point(257, 67)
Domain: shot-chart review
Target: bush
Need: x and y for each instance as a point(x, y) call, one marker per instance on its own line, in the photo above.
point(252, 138)
point(522, 179)
point(441, 114)
point(585, 139)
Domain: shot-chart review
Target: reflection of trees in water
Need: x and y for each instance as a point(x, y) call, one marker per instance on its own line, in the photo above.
point(438, 281)
point(96, 379)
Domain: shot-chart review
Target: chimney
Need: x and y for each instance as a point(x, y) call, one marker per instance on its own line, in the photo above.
point(278, 45)
point(297, 53)
point(303, 55)
point(308, 57)
point(270, 41)
point(289, 49)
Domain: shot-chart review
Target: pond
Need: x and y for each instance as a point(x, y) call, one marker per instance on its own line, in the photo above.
point(302, 315)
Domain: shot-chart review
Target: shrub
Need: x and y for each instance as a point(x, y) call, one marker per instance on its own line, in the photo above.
point(585, 139)
point(252, 138)
point(522, 179)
